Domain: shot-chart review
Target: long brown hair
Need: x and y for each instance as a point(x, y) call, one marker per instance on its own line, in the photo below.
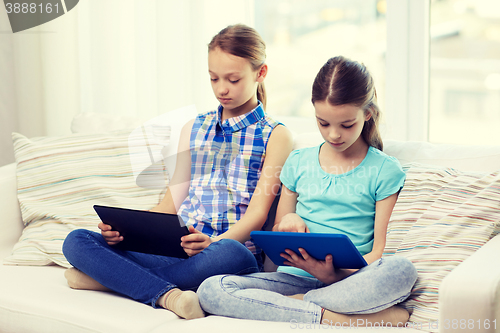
point(245, 42)
point(344, 81)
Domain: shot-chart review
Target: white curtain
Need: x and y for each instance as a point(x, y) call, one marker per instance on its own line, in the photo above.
point(122, 57)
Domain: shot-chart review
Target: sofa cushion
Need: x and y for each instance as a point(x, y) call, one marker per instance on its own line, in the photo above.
point(59, 179)
point(38, 299)
point(442, 216)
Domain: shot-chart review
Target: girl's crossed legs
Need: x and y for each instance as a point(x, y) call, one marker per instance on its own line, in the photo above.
point(263, 296)
point(146, 277)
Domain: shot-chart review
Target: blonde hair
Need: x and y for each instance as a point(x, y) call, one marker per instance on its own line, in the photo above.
point(245, 42)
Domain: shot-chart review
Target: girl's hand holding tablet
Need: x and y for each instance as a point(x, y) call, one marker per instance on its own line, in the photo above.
point(112, 237)
point(195, 242)
point(323, 270)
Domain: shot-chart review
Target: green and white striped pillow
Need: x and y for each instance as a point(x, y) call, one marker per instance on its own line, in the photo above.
point(59, 179)
point(442, 216)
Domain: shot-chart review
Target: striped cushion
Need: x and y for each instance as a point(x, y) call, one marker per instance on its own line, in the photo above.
point(442, 216)
point(59, 179)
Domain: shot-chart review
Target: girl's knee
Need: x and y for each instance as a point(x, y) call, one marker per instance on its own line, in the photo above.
point(208, 286)
point(73, 242)
point(232, 246)
point(71, 239)
point(76, 234)
point(402, 264)
point(210, 292)
point(242, 261)
point(214, 286)
point(402, 270)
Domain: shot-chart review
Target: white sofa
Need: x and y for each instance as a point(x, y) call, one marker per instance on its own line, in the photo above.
point(37, 298)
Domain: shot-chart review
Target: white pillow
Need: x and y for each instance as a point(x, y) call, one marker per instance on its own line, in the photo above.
point(441, 217)
point(59, 179)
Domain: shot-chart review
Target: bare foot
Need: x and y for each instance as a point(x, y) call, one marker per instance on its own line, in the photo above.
point(297, 296)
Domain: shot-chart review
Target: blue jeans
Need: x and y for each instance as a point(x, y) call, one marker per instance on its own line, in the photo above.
point(262, 296)
point(145, 277)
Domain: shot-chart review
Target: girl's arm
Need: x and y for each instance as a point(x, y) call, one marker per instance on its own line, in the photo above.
point(279, 147)
point(383, 211)
point(178, 188)
point(286, 219)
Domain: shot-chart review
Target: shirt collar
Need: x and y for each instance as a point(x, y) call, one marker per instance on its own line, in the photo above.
point(235, 124)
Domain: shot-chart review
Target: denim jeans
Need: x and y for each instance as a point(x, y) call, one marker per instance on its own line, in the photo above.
point(262, 296)
point(145, 277)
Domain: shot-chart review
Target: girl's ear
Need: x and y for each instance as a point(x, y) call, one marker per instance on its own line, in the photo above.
point(262, 72)
point(368, 114)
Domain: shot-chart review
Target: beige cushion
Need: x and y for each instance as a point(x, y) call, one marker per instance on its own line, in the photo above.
point(60, 179)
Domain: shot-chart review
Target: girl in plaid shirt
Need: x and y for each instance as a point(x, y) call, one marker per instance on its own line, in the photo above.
point(225, 181)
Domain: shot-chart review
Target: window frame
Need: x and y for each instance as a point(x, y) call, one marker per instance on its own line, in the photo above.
point(407, 70)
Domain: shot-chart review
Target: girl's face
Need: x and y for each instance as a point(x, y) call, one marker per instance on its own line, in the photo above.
point(340, 125)
point(234, 82)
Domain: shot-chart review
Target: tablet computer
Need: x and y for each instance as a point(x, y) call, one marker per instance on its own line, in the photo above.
point(318, 245)
point(145, 231)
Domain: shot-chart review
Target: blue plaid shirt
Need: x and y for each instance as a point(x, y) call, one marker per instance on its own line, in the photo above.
point(226, 162)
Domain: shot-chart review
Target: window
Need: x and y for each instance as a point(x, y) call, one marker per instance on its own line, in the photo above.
point(465, 72)
point(302, 35)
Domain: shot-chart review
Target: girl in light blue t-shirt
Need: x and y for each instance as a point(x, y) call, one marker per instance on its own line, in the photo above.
point(345, 185)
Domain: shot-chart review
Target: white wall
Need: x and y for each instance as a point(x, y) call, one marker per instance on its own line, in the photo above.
point(122, 57)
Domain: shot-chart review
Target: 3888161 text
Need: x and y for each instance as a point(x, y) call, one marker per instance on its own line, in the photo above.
point(31, 8)
point(469, 324)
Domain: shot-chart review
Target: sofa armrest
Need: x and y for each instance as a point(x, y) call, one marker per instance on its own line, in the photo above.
point(11, 225)
point(469, 296)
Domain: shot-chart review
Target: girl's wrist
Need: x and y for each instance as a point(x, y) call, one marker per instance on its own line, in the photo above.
point(342, 273)
point(328, 279)
point(337, 275)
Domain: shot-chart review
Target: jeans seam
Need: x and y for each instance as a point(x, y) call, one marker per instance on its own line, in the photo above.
point(160, 294)
point(247, 270)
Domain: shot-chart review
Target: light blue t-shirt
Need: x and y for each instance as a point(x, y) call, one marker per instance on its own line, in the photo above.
point(341, 203)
